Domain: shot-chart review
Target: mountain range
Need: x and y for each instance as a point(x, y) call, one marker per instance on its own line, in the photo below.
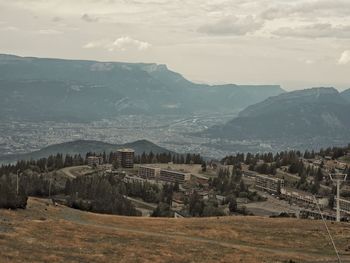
point(84, 146)
point(294, 116)
point(38, 89)
point(346, 94)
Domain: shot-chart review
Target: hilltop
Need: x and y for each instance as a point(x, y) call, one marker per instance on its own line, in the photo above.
point(84, 146)
point(44, 233)
point(80, 91)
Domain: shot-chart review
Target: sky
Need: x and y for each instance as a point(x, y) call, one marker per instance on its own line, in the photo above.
point(297, 44)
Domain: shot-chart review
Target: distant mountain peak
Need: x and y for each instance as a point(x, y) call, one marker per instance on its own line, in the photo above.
point(82, 90)
point(293, 116)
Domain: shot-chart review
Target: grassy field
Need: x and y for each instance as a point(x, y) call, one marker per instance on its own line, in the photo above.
point(45, 233)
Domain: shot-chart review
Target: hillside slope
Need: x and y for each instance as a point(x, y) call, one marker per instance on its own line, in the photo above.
point(84, 146)
point(75, 90)
point(43, 233)
point(298, 115)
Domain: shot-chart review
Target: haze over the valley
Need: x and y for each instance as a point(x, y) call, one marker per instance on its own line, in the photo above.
point(296, 44)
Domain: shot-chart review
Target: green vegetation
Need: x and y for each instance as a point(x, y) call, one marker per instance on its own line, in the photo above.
point(101, 194)
point(8, 194)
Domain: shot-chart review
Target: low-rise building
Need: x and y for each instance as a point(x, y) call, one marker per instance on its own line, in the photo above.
point(250, 173)
point(304, 197)
point(173, 176)
point(268, 184)
point(94, 160)
point(150, 173)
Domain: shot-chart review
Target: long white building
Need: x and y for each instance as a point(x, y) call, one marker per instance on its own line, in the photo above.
point(173, 176)
point(150, 173)
point(268, 184)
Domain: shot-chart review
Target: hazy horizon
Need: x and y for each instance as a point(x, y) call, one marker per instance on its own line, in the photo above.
point(296, 45)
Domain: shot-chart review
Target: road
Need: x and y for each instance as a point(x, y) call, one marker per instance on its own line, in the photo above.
point(69, 171)
point(148, 205)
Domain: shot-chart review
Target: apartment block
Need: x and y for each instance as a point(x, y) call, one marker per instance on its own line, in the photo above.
point(269, 184)
point(150, 173)
point(304, 197)
point(173, 176)
point(125, 158)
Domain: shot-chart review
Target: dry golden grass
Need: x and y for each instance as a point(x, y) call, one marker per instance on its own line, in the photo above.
point(44, 233)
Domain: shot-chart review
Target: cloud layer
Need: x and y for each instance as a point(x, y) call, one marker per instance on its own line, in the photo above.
point(232, 26)
point(315, 31)
point(295, 43)
point(123, 43)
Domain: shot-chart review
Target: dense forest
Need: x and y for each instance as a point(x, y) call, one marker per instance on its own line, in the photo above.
point(101, 194)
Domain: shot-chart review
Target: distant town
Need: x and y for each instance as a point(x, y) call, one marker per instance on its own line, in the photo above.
point(278, 189)
point(286, 184)
point(173, 132)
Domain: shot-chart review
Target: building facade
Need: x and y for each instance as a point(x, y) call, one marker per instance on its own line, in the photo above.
point(173, 176)
point(344, 205)
point(94, 160)
point(125, 158)
point(150, 173)
point(304, 197)
point(268, 184)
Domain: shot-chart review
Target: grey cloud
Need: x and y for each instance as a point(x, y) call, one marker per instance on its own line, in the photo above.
point(325, 8)
point(315, 31)
point(57, 19)
point(89, 18)
point(232, 26)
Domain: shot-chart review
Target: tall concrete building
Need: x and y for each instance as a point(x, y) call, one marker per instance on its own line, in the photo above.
point(125, 158)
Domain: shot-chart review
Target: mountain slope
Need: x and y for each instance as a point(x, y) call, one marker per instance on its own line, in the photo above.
point(299, 115)
point(72, 235)
point(56, 89)
point(84, 146)
point(346, 94)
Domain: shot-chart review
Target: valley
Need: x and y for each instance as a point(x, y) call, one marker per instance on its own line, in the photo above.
point(175, 133)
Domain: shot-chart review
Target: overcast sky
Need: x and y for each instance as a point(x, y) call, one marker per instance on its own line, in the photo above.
point(298, 44)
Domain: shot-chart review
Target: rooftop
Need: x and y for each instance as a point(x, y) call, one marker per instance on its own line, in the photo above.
point(126, 150)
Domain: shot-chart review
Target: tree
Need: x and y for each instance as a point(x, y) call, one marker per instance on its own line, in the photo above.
point(232, 205)
point(204, 167)
point(162, 210)
point(8, 195)
point(278, 187)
